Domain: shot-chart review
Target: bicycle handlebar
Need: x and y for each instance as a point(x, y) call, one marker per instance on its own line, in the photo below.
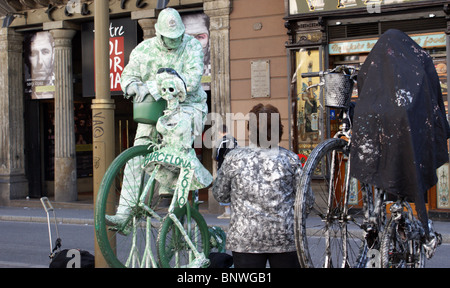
point(312, 74)
point(349, 70)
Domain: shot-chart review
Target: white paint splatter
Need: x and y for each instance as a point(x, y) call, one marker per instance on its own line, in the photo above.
point(403, 98)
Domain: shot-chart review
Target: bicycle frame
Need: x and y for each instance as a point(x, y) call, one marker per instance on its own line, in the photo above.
point(171, 161)
point(179, 197)
point(372, 207)
point(147, 257)
point(374, 201)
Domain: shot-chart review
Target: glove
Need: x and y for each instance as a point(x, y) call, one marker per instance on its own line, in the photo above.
point(138, 90)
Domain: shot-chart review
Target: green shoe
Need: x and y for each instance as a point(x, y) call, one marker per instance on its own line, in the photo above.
point(118, 223)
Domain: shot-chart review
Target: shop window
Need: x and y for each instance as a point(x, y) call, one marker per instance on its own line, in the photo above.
point(439, 195)
point(309, 119)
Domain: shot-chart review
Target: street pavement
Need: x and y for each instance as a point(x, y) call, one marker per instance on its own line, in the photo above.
point(80, 213)
point(83, 213)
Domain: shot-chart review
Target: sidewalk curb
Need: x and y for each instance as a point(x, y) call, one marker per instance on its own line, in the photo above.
point(74, 221)
point(83, 214)
point(34, 219)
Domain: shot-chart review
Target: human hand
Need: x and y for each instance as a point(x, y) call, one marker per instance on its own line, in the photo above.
point(138, 90)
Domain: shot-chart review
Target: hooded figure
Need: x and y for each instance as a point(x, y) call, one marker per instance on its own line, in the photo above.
point(170, 51)
point(400, 129)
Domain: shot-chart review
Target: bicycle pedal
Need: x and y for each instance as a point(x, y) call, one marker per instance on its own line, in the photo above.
point(200, 262)
point(205, 263)
point(438, 238)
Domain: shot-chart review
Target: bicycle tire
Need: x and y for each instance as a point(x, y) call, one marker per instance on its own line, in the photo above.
point(170, 247)
point(397, 253)
point(329, 237)
point(115, 247)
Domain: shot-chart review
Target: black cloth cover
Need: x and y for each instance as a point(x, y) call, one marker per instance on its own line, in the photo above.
point(400, 128)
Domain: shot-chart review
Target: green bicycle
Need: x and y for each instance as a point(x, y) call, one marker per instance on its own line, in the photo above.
point(153, 235)
point(134, 222)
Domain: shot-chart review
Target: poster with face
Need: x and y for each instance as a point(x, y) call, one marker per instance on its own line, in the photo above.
point(197, 25)
point(39, 65)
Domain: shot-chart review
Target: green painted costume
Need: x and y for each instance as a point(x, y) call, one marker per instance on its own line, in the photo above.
point(151, 55)
point(143, 79)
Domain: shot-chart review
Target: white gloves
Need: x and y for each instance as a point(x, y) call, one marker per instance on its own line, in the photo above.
point(138, 90)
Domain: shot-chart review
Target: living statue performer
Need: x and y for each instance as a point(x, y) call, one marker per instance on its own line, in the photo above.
point(170, 48)
point(175, 128)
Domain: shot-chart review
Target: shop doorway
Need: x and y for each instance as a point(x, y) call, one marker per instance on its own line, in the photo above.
point(33, 148)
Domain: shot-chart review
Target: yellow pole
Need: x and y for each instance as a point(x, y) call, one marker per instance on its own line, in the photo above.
point(102, 108)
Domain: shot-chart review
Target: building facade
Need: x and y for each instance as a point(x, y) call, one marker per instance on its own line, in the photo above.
point(257, 50)
point(48, 86)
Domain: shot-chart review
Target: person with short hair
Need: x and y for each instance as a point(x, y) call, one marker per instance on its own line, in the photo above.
point(260, 182)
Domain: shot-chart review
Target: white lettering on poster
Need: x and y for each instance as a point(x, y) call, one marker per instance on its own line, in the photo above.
point(116, 56)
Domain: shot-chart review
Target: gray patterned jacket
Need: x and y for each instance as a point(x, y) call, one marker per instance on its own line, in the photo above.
point(261, 186)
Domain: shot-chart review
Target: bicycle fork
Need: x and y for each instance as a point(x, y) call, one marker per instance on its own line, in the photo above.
point(196, 258)
point(148, 260)
point(343, 216)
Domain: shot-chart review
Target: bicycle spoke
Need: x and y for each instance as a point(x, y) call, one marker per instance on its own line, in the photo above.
point(183, 241)
point(131, 243)
point(329, 230)
point(399, 248)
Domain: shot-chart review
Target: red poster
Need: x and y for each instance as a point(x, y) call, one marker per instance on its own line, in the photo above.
point(116, 61)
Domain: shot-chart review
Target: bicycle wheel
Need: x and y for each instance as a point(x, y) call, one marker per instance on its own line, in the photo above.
point(328, 218)
point(173, 250)
point(397, 251)
point(129, 245)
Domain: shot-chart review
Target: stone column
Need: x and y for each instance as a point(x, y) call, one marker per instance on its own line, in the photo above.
point(148, 27)
point(13, 184)
point(65, 155)
point(219, 17)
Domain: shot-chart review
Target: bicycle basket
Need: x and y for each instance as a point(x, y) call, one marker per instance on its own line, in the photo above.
point(148, 111)
point(338, 90)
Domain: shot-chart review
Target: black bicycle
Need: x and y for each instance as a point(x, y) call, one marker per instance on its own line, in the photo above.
point(340, 222)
